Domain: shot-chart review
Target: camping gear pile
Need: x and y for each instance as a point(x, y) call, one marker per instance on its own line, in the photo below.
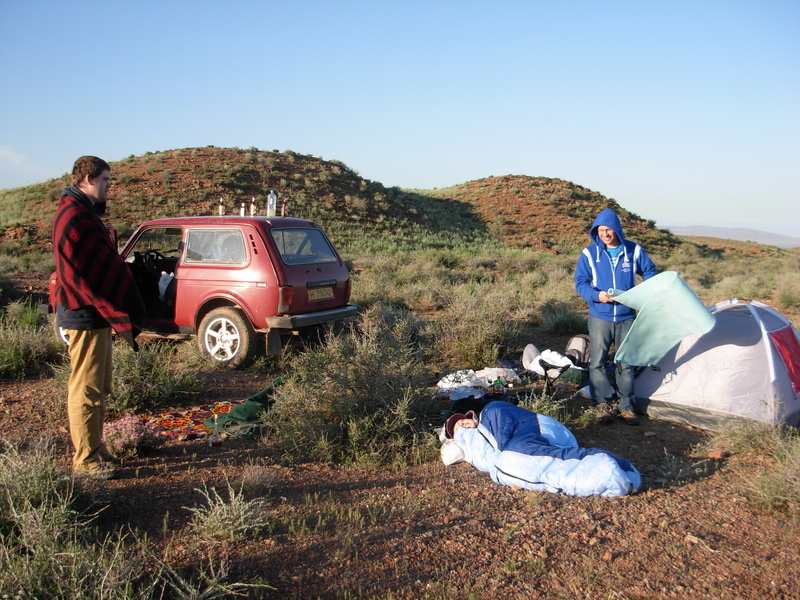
point(533, 365)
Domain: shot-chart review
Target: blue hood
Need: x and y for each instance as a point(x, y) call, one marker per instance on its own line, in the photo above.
point(608, 218)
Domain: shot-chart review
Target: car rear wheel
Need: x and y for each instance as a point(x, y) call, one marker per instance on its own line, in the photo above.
point(225, 335)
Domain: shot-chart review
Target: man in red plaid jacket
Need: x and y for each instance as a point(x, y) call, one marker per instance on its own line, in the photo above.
point(95, 292)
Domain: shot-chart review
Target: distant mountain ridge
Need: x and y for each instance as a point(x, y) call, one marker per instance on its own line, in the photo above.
point(741, 234)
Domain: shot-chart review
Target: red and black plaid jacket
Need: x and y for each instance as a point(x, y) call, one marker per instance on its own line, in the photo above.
point(89, 271)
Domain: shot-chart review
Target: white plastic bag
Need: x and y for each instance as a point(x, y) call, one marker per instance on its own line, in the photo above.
point(163, 284)
point(462, 378)
point(451, 451)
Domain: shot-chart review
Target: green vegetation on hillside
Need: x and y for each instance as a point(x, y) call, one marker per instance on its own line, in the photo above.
point(539, 213)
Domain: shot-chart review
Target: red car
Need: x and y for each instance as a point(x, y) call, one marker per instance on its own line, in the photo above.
point(228, 280)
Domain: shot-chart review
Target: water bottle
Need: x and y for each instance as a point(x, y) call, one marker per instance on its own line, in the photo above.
point(215, 439)
point(498, 387)
point(272, 203)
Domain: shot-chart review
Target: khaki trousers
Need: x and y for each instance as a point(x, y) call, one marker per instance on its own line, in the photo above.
point(89, 387)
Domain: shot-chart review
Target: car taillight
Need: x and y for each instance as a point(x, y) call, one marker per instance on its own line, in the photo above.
point(285, 301)
point(348, 289)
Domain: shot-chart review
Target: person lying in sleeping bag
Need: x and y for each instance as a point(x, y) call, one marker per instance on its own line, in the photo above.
point(536, 452)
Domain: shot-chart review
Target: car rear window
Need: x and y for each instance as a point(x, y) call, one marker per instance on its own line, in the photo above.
point(303, 246)
point(217, 246)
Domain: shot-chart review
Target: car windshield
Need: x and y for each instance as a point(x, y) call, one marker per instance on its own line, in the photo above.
point(303, 246)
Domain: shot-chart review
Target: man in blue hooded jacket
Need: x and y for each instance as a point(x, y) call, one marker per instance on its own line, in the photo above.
point(610, 263)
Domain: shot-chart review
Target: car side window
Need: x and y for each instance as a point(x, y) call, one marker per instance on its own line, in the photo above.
point(215, 246)
point(303, 246)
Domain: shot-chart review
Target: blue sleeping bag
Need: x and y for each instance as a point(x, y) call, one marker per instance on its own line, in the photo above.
point(532, 451)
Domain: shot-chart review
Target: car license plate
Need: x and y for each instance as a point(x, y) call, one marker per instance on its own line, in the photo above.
point(323, 293)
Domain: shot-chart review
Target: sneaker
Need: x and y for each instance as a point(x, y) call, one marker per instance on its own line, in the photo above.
point(102, 471)
point(629, 417)
point(604, 412)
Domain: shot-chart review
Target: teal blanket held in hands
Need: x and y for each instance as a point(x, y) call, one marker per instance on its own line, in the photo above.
point(667, 312)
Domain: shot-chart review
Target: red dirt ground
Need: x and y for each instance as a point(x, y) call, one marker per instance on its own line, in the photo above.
point(430, 531)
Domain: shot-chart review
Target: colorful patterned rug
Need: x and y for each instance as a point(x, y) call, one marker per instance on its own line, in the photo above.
point(187, 424)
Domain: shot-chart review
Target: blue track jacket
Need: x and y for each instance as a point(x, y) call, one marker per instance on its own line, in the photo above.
point(595, 274)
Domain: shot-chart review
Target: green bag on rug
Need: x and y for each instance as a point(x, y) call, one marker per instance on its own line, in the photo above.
point(243, 421)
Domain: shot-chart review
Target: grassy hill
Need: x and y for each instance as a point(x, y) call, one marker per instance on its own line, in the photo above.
point(545, 214)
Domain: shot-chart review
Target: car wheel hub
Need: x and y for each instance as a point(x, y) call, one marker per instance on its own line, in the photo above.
point(222, 339)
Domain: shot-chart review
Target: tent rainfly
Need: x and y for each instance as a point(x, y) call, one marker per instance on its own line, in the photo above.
point(747, 367)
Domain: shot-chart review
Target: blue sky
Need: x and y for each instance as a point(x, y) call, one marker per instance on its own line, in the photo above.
point(685, 112)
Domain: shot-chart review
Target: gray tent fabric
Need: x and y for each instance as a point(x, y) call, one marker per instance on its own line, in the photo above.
point(735, 371)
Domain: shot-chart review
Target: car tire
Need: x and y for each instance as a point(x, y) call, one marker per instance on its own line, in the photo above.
point(226, 336)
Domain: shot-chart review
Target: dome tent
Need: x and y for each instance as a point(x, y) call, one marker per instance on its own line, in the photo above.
point(747, 366)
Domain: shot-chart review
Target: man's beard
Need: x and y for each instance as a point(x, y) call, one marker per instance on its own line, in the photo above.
point(100, 207)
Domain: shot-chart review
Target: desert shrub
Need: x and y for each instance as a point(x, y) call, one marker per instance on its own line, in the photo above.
point(26, 350)
point(22, 313)
point(6, 288)
point(46, 550)
point(234, 518)
point(789, 298)
point(788, 290)
point(473, 327)
point(559, 317)
point(373, 282)
point(777, 487)
point(148, 378)
point(31, 479)
point(745, 285)
point(32, 262)
point(518, 262)
point(740, 437)
point(49, 551)
point(547, 404)
point(257, 479)
point(359, 396)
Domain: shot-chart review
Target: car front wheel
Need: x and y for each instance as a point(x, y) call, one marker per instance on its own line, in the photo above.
point(226, 336)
